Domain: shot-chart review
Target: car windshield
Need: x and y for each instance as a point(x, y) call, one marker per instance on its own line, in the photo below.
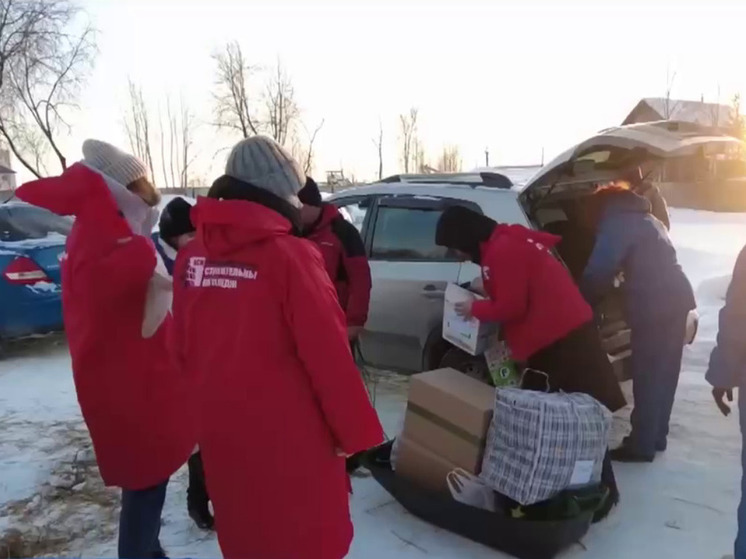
point(20, 223)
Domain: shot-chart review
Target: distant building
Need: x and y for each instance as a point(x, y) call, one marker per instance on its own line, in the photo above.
point(7, 175)
point(721, 118)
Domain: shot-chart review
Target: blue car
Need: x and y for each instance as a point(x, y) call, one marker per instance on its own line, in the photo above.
point(32, 243)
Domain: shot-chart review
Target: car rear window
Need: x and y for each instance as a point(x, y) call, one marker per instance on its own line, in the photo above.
point(24, 223)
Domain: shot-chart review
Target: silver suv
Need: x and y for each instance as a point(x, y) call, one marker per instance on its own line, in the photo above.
point(397, 219)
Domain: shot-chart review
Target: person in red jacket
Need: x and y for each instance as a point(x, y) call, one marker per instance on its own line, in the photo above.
point(346, 262)
point(280, 401)
point(545, 320)
point(116, 299)
point(344, 255)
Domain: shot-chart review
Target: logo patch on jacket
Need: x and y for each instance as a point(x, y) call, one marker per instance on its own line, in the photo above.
point(201, 273)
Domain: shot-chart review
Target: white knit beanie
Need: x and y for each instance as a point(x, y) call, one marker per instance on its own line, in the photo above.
point(113, 162)
point(262, 162)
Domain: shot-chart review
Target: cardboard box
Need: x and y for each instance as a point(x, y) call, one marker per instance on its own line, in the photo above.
point(449, 413)
point(472, 336)
point(422, 466)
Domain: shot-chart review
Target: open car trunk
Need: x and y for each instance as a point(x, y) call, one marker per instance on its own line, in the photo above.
point(556, 199)
point(560, 217)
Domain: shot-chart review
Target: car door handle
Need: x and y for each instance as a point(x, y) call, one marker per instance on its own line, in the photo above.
point(432, 292)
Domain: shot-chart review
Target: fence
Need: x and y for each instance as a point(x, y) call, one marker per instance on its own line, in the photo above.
point(713, 195)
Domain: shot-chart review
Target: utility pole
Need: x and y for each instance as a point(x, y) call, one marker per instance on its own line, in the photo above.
point(486, 157)
point(542, 156)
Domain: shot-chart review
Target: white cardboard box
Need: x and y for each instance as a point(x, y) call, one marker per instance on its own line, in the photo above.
point(472, 336)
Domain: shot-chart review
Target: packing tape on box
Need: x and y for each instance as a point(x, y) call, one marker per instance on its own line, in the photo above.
point(443, 424)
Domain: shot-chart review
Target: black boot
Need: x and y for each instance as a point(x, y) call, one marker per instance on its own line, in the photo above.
point(609, 480)
point(201, 516)
point(353, 462)
point(660, 446)
point(626, 453)
point(159, 553)
point(197, 497)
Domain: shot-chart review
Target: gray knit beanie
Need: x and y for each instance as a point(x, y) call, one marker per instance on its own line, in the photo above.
point(262, 162)
point(113, 162)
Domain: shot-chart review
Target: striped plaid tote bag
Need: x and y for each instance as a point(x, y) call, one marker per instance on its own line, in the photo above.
point(539, 444)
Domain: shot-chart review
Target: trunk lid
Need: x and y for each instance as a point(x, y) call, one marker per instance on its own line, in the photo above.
point(46, 255)
point(48, 259)
point(614, 151)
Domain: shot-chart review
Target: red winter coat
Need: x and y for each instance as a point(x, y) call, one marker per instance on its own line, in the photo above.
point(346, 263)
point(531, 294)
point(134, 401)
point(258, 324)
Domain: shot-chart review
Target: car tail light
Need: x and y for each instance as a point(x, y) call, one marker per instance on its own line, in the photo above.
point(24, 271)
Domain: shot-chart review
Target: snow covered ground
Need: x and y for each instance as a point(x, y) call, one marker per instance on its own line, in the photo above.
point(681, 506)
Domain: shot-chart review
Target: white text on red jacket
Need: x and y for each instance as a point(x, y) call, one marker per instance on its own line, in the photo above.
point(202, 273)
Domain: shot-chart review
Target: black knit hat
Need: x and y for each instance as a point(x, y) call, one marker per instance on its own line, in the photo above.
point(175, 219)
point(310, 194)
point(463, 229)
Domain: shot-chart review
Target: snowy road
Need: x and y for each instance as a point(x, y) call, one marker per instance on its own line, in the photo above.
point(681, 506)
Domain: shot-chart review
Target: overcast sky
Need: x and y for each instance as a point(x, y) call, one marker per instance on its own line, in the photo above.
point(514, 77)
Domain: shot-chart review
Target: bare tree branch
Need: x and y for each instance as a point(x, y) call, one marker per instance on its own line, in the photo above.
point(308, 166)
point(137, 125)
point(232, 106)
point(669, 105)
point(187, 132)
point(42, 69)
point(10, 134)
point(180, 134)
point(715, 111)
point(378, 142)
point(173, 149)
point(408, 130)
point(282, 110)
point(162, 146)
point(304, 153)
point(449, 160)
point(737, 122)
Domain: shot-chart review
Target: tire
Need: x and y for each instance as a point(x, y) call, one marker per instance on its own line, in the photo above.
point(474, 367)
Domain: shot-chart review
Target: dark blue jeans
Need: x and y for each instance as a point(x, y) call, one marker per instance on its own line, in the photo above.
point(140, 522)
point(657, 348)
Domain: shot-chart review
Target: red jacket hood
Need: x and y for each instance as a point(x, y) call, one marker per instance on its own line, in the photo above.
point(79, 192)
point(524, 233)
point(227, 225)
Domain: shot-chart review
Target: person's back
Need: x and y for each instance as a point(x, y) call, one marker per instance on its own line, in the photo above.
point(636, 243)
point(658, 297)
point(259, 328)
point(540, 303)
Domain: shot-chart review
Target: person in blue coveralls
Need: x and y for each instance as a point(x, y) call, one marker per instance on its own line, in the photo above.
point(727, 370)
point(658, 298)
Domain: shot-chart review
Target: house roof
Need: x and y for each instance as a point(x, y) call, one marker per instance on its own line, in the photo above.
point(6, 171)
point(697, 112)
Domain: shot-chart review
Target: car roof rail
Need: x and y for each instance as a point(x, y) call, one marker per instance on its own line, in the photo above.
point(484, 178)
